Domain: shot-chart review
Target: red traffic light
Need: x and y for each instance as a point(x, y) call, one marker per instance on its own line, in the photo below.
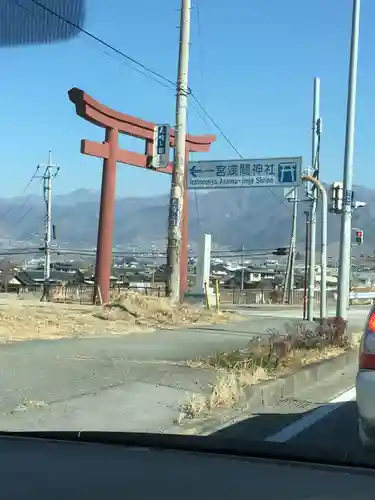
point(359, 233)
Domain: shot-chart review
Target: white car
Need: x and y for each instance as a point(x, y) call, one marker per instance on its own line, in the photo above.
point(365, 384)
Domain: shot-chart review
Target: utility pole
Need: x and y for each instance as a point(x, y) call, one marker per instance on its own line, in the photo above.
point(315, 167)
point(293, 241)
point(50, 172)
point(287, 276)
point(323, 252)
point(178, 174)
point(289, 272)
point(346, 217)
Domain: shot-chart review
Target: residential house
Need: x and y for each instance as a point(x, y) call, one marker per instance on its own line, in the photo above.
point(252, 277)
point(8, 280)
point(36, 277)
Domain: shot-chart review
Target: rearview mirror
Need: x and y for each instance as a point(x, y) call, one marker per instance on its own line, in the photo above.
point(31, 22)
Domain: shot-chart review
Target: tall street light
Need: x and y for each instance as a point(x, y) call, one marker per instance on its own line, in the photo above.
point(345, 236)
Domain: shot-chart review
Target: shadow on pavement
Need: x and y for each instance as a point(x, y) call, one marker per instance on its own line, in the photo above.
point(332, 439)
point(336, 429)
point(260, 425)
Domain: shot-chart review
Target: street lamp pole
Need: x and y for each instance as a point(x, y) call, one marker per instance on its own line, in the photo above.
point(345, 236)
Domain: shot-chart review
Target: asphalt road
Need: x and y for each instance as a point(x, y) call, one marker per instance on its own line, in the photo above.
point(322, 417)
point(135, 383)
point(112, 382)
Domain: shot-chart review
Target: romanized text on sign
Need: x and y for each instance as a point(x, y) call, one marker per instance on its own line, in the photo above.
point(283, 172)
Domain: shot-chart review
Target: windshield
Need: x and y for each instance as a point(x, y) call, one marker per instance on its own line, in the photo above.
point(171, 253)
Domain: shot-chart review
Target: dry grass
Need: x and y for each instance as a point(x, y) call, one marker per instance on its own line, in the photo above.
point(240, 369)
point(132, 312)
point(155, 311)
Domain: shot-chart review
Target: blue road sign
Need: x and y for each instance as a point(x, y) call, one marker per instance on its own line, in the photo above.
point(265, 172)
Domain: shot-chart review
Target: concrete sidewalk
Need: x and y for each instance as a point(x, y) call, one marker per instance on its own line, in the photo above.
point(134, 382)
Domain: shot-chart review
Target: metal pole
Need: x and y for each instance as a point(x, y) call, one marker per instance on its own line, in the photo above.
point(48, 219)
point(242, 268)
point(345, 236)
point(315, 166)
point(293, 247)
point(47, 178)
point(323, 257)
point(350, 273)
point(307, 230)
point(47, 191)
point(351, 264)
point(287, 276)
point(178, 174)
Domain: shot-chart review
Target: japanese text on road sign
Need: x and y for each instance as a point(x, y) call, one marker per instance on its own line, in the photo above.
point(283, 172)
point(161, 146)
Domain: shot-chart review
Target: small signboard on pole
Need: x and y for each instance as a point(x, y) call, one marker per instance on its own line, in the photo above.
point(290, 193)
point(160, 156)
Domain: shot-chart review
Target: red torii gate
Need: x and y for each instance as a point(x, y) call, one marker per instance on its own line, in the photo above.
point(114, 123)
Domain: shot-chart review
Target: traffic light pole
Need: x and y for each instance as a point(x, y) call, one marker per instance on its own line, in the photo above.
point(307, 231)
point(293, 241)
point(287, 277)
point(323, 257)
point(358, 241)
point(350, 273)
point(288, 293)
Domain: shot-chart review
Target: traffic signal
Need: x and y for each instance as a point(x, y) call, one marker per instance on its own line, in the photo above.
point(280, 251)
point(359, 237)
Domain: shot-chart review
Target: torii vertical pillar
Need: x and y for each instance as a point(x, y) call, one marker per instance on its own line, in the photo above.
point(114, 123)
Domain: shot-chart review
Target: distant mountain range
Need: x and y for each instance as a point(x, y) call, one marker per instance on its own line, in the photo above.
point(255, 218)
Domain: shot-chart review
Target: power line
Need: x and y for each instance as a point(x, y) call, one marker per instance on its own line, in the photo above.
point(105, 44)
point(22, 193)
point(216, 125)
point(202, 107)
point(152, 72)
point(22, 217)
point(201, 52)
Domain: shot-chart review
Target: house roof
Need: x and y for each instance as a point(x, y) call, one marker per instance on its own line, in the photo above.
point(25, 279)
point(7, 265)
point(31, 277)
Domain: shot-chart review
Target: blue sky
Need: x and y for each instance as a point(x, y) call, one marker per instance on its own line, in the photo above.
point(252, 67)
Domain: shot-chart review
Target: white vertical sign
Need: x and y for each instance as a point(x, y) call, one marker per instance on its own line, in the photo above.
point(309, 186)
point(290, 193)
point(160, 156)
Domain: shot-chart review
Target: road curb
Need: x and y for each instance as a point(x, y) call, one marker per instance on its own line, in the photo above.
point(269, 393)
